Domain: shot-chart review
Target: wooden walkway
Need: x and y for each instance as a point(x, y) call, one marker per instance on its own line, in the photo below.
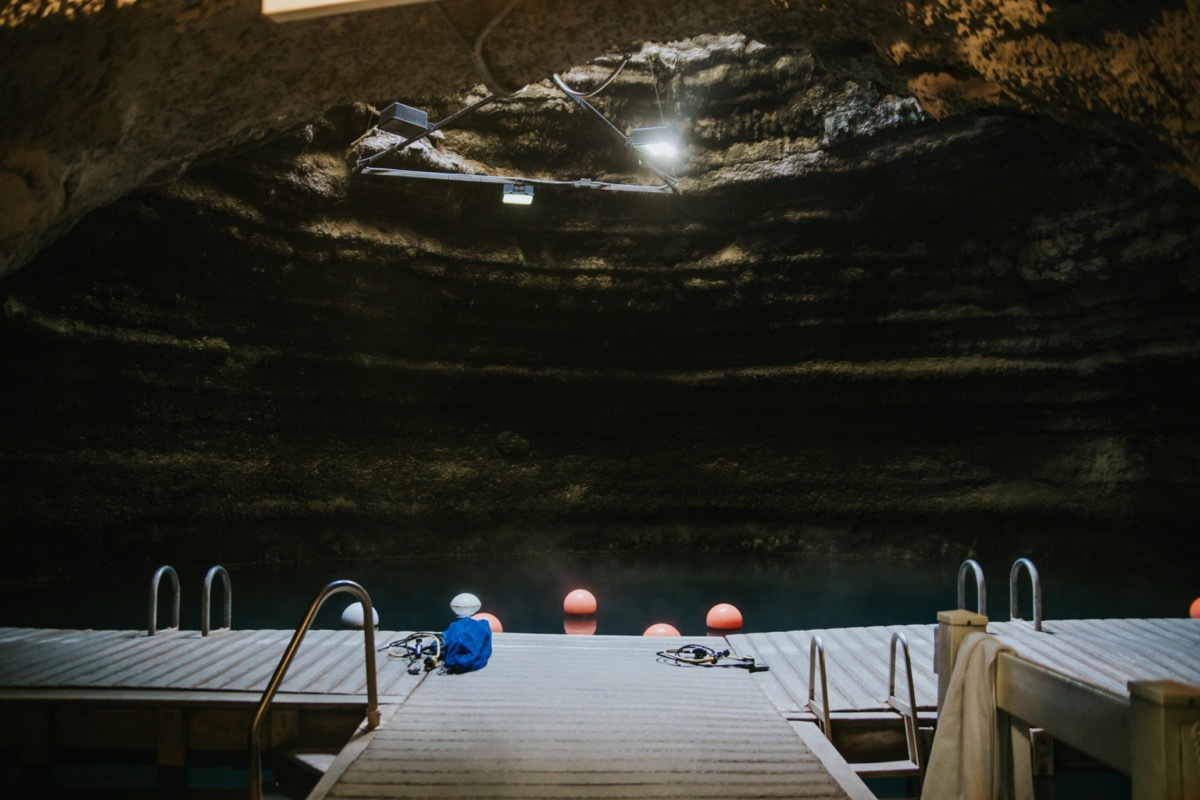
point(587, 717)
point(1105, 653)
point(551, 715)
point(329, 663)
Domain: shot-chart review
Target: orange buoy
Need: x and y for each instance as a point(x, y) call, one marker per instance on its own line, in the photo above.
point(580, 601)
point(1194, 611)
point(491, 620)
point(661, 629)
point(579, 626)
point(724, 617)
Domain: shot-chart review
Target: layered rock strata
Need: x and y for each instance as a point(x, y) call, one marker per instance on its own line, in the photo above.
point(860, 329)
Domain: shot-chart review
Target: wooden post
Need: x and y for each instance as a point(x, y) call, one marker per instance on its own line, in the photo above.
point(953, 627)
point(1164, 740)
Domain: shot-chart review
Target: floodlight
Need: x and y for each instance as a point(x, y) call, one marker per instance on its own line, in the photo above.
point(403, 120)
point(656, 142)
point(518, 194)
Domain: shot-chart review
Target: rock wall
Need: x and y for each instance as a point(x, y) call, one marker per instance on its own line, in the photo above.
point(859, 329)
point(101, 98)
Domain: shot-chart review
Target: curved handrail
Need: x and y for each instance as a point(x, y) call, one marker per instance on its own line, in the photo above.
point(980, 587)
point(285, 662)
point(1036, 586)
point(910, 718)
point(817, 647)
point(206, 600)
point(152, 625)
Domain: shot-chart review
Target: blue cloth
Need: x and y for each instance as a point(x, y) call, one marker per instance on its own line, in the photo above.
point(468, 645)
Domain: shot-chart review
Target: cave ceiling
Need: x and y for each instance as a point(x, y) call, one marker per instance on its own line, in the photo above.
point(933, 266)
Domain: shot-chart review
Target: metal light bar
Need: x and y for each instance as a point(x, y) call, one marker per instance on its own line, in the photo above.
point(421, 134)
point(583, 183)
point(288, 10)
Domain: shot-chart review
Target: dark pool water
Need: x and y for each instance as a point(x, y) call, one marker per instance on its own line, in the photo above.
point(526, 593)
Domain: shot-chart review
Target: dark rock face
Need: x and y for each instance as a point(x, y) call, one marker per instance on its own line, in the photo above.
point(859, 330)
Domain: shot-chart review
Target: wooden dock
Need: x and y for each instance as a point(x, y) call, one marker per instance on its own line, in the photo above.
point(550, 716)
point(1104, 653)
point(588, 717)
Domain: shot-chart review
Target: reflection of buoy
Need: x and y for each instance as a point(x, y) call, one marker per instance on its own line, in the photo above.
point(580, 601)
point(492, 621)
point(661, 629)
point(1194, 611)
point(352, 617)
point(579, 626)
point(465, 604)
point(724, 617)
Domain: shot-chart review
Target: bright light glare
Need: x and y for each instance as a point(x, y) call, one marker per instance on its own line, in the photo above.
point(660, 149)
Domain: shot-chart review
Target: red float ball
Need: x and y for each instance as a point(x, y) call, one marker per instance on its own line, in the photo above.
point(491, 620)
point(579, 626)
point(661, 629)
point(580, 601)
point(724, 617)
point(1194, 611)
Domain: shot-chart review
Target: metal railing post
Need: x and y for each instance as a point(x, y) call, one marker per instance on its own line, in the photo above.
point(206, 600)
point(285, 662)
point(1036, 585)
point(152, 625)
point(980, 588)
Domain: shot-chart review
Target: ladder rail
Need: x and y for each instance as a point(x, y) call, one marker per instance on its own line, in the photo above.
point(906, 708)
point(971, 565)
point(372, 718)
point(816, 654)
point(206, 600)
point(1035, 587)
point(155, 582)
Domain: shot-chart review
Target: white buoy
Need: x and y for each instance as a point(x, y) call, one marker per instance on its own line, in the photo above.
point(352, 617)
point(465, 604)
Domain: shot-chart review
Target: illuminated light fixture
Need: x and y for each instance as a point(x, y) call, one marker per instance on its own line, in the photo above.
point(518, 194)
point(287, 10)
point(656, 142)
point(403, 120)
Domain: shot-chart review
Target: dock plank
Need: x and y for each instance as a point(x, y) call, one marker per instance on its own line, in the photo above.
point(553, 716)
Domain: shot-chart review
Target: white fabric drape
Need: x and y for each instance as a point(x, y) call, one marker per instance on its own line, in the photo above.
point(977, 754)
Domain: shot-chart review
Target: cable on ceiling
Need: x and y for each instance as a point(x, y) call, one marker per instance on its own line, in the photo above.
point(612, 76)
point(475, 49)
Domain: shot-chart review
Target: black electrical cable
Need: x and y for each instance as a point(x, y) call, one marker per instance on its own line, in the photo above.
point(612, 76)
point(699, 655)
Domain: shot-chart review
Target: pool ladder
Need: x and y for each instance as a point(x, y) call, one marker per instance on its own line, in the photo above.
point(260, 713)
point(205, 600)
point(912, 767)
point(1014, 575)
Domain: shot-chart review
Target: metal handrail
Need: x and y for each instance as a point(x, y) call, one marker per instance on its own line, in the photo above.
point(206, 600)
point(1036, 585)
point(980, 588)
point(906, 708)
point(152, 625)
point(817, 647)
point(285, 662)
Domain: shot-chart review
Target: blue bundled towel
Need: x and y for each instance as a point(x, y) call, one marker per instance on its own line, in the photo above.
point(468, 645)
